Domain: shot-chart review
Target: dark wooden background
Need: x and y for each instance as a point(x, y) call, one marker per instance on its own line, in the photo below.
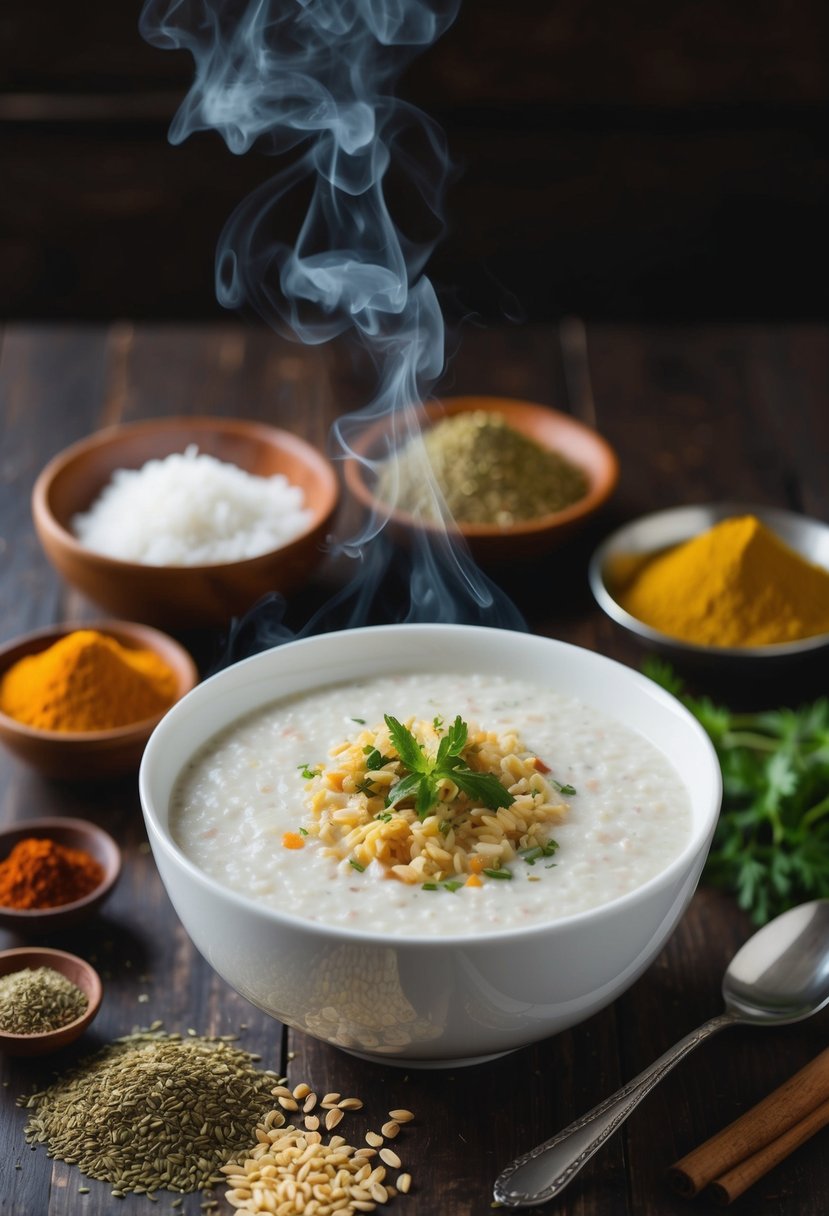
point(696, 413)
point(658, 159)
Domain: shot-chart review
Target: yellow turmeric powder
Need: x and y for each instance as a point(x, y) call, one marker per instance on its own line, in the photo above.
point(737, 584)
point(87, 681)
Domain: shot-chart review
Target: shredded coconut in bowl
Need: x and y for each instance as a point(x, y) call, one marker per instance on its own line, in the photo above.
point(191, 510)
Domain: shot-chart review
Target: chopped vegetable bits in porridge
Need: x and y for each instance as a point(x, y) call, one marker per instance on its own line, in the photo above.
point(496, 804)
point(429, 803)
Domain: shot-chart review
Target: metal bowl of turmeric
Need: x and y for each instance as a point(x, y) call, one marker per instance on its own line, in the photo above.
point(724, 583)
point(512, 478)
point(54, 873)
point(79, 702)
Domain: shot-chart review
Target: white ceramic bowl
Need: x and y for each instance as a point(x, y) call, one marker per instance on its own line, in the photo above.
point(476, 996)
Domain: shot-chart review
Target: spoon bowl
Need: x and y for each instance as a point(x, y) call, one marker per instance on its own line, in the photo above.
point(780, 975)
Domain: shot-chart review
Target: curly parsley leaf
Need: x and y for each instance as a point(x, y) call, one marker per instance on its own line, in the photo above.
point(425, 773)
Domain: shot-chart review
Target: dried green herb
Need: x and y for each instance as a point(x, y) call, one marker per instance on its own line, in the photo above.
point(153, 1110)
point(486, 471)
point(38, 999)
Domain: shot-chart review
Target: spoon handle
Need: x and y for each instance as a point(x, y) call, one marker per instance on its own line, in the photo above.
point(546, 1170)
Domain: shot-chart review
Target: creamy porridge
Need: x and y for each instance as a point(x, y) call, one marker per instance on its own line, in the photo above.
point(240, 809)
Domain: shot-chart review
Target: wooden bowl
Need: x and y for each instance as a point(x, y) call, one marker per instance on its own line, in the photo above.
point(74, 834)
point(490, 542)
point(78, 972)
point(90, 755)
point(180, 595)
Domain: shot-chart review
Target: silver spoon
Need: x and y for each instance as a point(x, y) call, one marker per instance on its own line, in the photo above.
point(780, 975)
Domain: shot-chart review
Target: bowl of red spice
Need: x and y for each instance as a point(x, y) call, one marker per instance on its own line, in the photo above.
point(54, 873)
point(47, 999)
point(79, 702)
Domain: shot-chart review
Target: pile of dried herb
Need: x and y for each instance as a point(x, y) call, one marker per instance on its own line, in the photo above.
point(153, 1110)
point(39, 999)
point(486, 471)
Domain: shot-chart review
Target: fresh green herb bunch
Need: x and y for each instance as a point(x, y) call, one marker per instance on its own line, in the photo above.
point(771, 846)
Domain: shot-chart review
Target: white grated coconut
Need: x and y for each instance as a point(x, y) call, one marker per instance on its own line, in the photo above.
point(191, 510)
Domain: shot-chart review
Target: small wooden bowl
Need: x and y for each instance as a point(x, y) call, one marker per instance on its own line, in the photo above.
point(73, 834)
point(549, 428)
point(94, 754)
point(180, 596)
point(78, 972)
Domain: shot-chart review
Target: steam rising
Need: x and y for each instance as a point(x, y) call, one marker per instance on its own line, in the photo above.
point(313, 81)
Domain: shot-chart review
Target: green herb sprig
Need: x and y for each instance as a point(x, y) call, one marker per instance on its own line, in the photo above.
point(771, 845)
point(424, 773)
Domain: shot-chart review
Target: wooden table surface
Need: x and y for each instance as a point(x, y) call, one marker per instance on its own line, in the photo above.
point(696, 414)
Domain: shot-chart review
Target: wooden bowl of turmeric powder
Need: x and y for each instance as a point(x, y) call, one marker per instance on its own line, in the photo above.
point(80, 701)
point(719, 583)
point(54, 873)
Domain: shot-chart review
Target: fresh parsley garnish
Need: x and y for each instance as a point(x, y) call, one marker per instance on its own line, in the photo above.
point(498, 873)
point(374, 758)
point(366, 787)
point(356, 864)
point(567, 790)
point(359, 721)
point(425, 773)
point(307, 771)
point(532, 855)
point(771, 845)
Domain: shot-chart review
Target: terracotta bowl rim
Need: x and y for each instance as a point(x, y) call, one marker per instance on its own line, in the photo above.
point(52, 956)
point(53, 825)
point(600, 487)
point(273, 437)
point(184, 668)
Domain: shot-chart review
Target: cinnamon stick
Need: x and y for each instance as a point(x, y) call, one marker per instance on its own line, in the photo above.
point(730, 1186)
point(756, 1130)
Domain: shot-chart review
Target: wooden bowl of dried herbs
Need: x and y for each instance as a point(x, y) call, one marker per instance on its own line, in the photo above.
point(512, 478)
point(47, 999)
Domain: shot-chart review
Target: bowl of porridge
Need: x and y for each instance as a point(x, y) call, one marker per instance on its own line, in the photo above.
point(429, 844)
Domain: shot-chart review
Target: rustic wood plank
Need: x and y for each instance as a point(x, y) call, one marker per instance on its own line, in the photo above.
point(691, 412)
point(47, 381)
point(584, 53)
point(544, 1086)
point(632, 216)
point(700, 415)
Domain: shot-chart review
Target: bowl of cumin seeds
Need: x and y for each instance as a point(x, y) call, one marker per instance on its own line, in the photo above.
point(47, 999)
